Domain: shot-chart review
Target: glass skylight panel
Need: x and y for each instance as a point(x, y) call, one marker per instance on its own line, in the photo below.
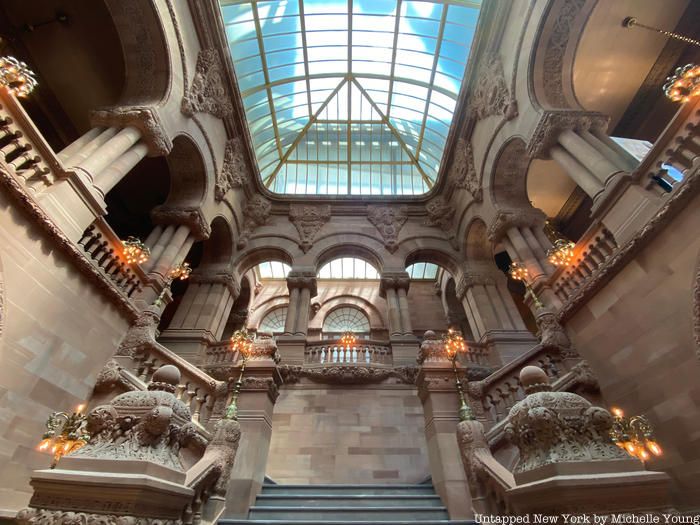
point(348, 268)
point(349, 97)
point(425, 271)
point(272, 270)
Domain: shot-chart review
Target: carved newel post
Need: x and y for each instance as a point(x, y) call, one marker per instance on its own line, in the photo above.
point(130, 472)
point(568, 461)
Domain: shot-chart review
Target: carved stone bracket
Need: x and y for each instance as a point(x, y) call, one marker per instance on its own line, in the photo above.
point(393, 281)
point(441, 215)
point(145, 119)
point(553, 122)
point(585, 376)
point(476, 277)
point(308, 220)
point(208, 93)
point(491, 95)
point(532, 218)
point(110, 377)
point(234, 172)
point(463, 171)
point(256, 213)
point(190, 216)
point(302, 279)
point(388, 220)
point(348, 374)
point(225, 279)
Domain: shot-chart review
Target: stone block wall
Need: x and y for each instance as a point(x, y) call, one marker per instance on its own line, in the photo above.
point(637, 333)
point(353, 434)
point(56, 334)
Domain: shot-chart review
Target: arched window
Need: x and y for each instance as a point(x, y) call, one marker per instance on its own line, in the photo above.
point(273, 322)
point(272, 270)
point(348, 268)
point(423, 271)
point(345, 319)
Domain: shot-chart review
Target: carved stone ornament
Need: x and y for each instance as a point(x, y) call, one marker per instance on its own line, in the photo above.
point(463, 171)
point(393, 281)
point(189, 216)
point(208, 93)
point(143, 118)
point(550, 332)
point(110, 377)
point(491, 95)
point(235, 172)
point(264, 348)
point(256, 213)
point(348, 374)
point(141, 334)
point(441, 215)
point(472, 441)
point(558, 427)
point(585, 377)
point(225, 279)
point(521, 218)
point(388, 220)
point(553, 122)
point(303, 279)
point(32, 516)
point(431, 349)
point(221, 451)
point(308, 220)
point(476, 276)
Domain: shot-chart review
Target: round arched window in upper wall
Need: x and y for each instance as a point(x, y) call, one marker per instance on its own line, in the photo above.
point(272, 270)
point(348, 268)
point(346, 319)
point(273, 322)
point(423, 271)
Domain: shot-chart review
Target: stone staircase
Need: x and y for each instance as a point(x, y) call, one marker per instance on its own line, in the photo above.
point(347, 505)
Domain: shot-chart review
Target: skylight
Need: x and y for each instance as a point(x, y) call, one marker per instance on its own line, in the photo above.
point(423, 271)
point(349, 96)
point(348, 268)
point(272, 270)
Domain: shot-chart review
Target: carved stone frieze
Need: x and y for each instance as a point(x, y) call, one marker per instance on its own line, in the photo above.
point(463, 171)
point(110, 377)
point(521, 218)
point(551, 332)
point(308, 220)
point(388, 220)
point(393, 281)
point(347, 374)
point(264, 384)
point(491, 95)
point(441, 214)
point(33, 516)
point(553, 122)
point(141, 333)
point(225, 279)
point(302, 279)
point(255, 214)
point(189, 216)
point(208, 93)
point(234, 172)
point(143, 118)
point(432, 349)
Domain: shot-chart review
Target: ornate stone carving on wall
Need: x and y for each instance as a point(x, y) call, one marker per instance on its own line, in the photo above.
point(552, 333)
point(234, 172)
point(463, 171)
point(388, 220)
point(110, 377)
point(308, 220)
point(471, 441)
point(441, 214)
point(506, 219)
point(303, 279)
point(189, 216)
point(208, 93)
point(553, 122)
point(585, 377)
point(256, 213)
point(348, 374)
point(143, 118)
point(475, 277)
point(491, 95)
point(225, 279)
point(141, 333)
point(696, 307)
point(31, 516)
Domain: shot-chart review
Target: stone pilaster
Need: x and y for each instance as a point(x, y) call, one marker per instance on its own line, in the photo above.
point(393, 287)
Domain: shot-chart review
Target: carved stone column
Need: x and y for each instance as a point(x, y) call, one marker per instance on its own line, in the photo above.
point(438, 393)
point(393, 286)
point(302, 287)
point(255, 407)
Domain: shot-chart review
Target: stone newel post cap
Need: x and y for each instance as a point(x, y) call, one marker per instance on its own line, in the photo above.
point(429, 335)
point(534, 379)
point(168, 374)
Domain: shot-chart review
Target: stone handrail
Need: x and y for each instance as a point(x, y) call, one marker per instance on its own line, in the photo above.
point(365, 351)
point(477, 353)
point(104, 249)
point(219, 353)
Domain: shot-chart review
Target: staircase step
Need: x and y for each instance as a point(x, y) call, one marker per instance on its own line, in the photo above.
point(348, 500)
point(326, 514)
point(368, 490)
point(326, 522)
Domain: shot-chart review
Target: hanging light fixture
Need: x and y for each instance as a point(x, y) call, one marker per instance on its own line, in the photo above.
point(241, 342)
point(16, 76)
point(561, 253)
point(348, 339)
point(65, 433)
point(518, 272)
point(182, 272)
point(684, 84)
point(454, 344)
point(635, 434)
point(135, 251)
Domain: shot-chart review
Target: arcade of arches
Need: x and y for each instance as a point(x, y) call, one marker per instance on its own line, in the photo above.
point(325, 168)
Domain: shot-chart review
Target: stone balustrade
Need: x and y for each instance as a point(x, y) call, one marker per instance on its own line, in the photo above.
point(220, 353)
point(477, 354)
point(104, 249)
point(364, 352)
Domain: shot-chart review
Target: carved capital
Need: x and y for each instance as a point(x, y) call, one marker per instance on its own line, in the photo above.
point(255, 214)
point(302, 279)
point(527, 218)
point(551, 332)
point(308, 220)
point(553, 122)
point(208, 93)
point(224, 279)
point(190, 216)
point(388, 220)
point(145, 119)
point(476, 275)
point(441, 215)
point(234, 172)
point(393, 281)
point(261, 384)
point(491, 95)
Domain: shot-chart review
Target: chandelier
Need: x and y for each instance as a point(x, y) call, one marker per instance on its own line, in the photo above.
point(135, 251)
point(348, 339)
point(683, 84)
point(181, 271)
point(453, 343)
point(519, 272)
point(561, 253)
point(16, 76)
point(634, 434)
point(242, 341)
point(65, 433)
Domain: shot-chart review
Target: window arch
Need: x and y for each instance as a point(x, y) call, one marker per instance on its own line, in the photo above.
point(273, 322)
point(345, 319)
point(348, 268)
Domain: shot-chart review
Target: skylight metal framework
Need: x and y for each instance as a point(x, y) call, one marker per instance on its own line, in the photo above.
point(349, 96)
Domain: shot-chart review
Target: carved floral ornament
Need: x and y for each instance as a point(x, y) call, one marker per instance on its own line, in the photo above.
point(308, 220)
point(388, 220)
point(256, 213)
point(143, 118)
point(441, 214)
point(463, 171)
point(491, 95)
point(348, 374)
point(523, 218)
point(208, 93)
point(234, 172)
point(553, 122)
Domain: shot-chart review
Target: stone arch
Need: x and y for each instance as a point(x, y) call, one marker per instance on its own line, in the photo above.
point(360, 304)
point(274, 303)
point(432, 255)
point(253, 256)
point(508, 185)
point(478, 248)
point(357, 250)
point(218, 248)
point(188, 174)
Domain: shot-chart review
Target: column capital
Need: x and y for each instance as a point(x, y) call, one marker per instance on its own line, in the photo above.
point(223, 278)
point(476, 276)
point(190, 216)
point(143, 118)
point(507, 218)
point(553, 122)
point(303, 279)
point(393, 280)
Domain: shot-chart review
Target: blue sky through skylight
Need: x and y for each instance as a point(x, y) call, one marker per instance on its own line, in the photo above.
point(352, 96)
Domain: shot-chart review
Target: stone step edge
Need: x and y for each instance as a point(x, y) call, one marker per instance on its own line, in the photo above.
point(349, 496)
point(350, 485)
point(347, 509)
